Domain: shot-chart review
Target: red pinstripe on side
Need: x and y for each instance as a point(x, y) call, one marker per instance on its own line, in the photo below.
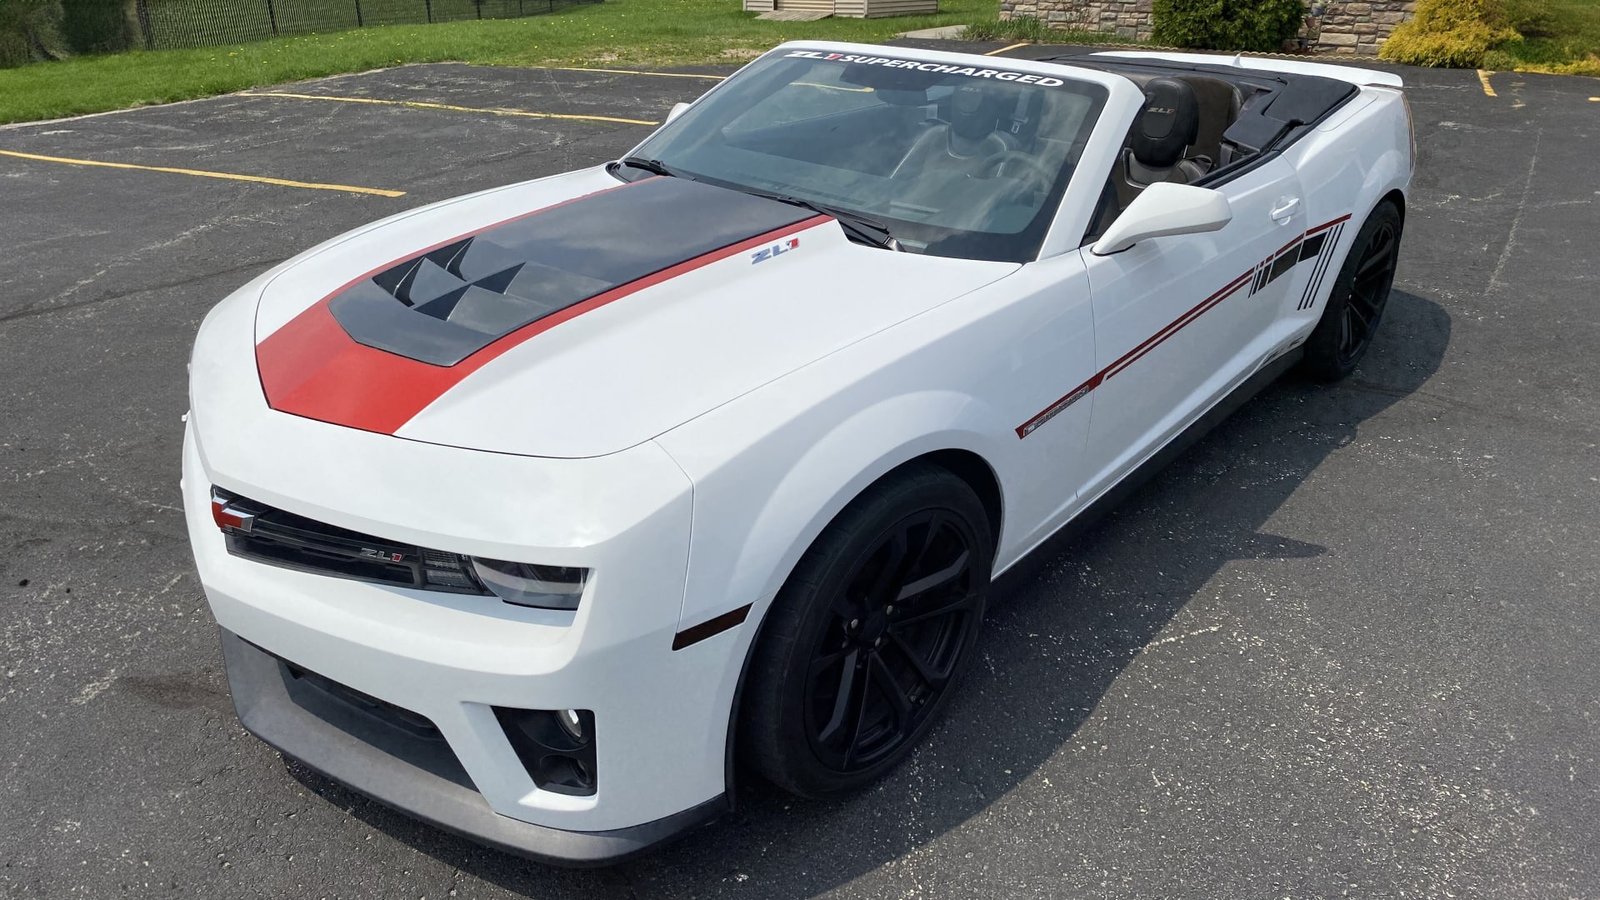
point(311, 368)
point(1132, 356)
point(1326, 225)
point(1155, 340)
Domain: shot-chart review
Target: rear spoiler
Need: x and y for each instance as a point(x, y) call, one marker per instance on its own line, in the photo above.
point(1351, 74)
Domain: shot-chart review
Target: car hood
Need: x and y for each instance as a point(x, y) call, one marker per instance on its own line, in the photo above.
point(575, 316)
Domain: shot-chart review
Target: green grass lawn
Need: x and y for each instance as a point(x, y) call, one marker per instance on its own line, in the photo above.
point(614, 33)
point(1566, 42)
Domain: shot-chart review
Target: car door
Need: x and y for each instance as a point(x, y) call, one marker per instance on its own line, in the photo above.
point(1045, 348)
point(1179, 319)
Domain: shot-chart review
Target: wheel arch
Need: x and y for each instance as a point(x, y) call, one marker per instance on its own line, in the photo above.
point(1396, 197)
point(979, 475)
point(965, 463)
point(748, 541)
point(811, 467)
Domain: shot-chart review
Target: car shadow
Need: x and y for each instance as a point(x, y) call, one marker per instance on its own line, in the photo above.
point(1063, 625)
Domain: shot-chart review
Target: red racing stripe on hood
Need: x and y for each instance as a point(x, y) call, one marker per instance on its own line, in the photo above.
point(310, 367)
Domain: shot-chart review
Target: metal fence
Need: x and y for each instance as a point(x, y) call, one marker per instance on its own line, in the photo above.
point(203, 23)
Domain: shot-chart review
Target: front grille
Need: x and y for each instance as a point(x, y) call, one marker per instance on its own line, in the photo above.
point(277, 537)
point(401, 733)
point(415, 724)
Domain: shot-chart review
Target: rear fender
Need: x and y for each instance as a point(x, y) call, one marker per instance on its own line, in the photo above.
point(1350, 167)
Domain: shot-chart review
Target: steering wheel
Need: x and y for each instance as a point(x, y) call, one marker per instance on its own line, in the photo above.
point(1030, 172)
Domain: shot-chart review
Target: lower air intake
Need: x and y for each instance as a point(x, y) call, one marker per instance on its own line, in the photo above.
point(555, 746)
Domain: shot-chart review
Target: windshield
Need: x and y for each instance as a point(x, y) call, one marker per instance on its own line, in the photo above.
point(952, 160)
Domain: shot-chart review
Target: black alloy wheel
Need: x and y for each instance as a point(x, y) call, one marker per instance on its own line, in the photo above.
point(865, 642)
point(1359, 295)
point(891, 642)
point(1374, 276)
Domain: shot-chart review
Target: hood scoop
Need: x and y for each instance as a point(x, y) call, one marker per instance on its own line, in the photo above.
point(449, 302)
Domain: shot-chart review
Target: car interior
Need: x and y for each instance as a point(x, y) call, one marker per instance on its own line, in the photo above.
point(979, 156)
point(1202, 124)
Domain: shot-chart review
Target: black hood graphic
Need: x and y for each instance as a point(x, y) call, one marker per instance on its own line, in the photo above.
point(443, 305)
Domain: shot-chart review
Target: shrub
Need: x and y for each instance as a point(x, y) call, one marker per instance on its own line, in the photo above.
point(29, 31)
point(1589, 65)
point(1541, 56)
point(1453, 33)
point(97, 26)
point(1261, 25)
point(1531, 18)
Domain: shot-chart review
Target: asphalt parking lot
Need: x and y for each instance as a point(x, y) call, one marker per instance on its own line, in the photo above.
point(1343, 646)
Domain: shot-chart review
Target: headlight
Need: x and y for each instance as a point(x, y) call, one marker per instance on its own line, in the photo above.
point(525, 584)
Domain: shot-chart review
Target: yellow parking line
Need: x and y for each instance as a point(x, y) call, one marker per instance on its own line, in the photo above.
point(1483, 79)
point(638, 72)
point(419, 104)
point(201, 173)
point(1004, 49)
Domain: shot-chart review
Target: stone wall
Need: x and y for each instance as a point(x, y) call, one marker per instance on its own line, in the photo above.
point(1355, 26)
point(1332, 26)
point(1124, 18)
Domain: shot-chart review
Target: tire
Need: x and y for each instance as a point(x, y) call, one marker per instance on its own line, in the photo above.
point(1356, 303)
point(805, 724)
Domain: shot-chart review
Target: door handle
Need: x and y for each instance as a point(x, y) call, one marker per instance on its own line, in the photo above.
point(1285, 209)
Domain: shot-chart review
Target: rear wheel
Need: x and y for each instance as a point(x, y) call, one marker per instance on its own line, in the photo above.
point(1357, 301)
point(867, 638)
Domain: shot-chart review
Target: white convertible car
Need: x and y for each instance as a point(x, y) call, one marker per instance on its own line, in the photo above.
point(537, 512)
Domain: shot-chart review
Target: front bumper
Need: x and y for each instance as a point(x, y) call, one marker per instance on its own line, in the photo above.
point(416, 774)
point(661, 715)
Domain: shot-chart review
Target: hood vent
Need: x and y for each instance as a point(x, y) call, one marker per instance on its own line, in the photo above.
point(449, 302)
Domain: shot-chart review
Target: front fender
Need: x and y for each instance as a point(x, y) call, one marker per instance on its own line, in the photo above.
point(844, 463)
point(759, 505)
point(757, 511)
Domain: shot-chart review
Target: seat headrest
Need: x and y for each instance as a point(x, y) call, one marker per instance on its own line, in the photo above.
point(1167, 124)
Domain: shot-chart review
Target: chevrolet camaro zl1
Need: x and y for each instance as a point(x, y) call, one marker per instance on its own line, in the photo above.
point(533, 512)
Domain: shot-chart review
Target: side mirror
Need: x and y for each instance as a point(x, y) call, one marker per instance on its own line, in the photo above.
point(1164, 209)
point(676, 111)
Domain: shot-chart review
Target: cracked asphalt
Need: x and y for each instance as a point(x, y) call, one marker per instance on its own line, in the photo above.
point(1344, 646)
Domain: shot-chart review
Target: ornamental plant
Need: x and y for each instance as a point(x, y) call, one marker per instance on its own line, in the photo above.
point(1452, 33)
point(1260, 25)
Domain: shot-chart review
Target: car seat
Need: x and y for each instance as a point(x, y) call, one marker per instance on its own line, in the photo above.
point(967, 144)
point(1164, 130)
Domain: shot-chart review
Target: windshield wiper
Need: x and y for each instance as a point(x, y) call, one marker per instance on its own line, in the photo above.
point(653, 166)
point(856, 225)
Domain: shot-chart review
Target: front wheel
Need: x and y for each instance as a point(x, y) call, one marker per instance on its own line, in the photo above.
point(867, 638)
point(1357, 300)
